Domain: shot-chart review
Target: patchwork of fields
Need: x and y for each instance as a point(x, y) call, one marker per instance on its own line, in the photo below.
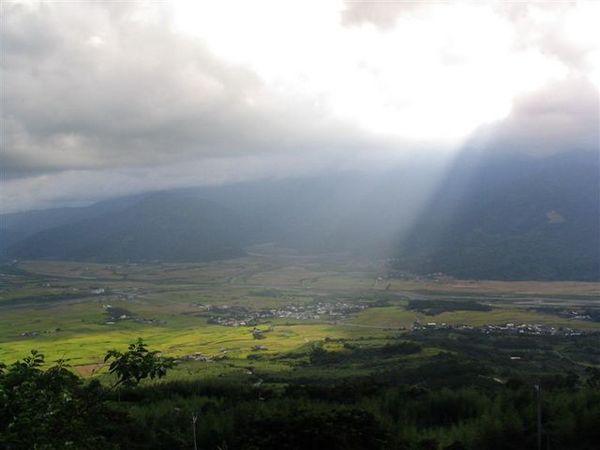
point(278, 307)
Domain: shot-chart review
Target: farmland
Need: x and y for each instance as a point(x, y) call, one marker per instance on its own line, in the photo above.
point(79, 310)
point(274, 339)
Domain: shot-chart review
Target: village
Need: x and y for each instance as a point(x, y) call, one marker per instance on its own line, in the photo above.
point(236, 316)
point(523, 329)
point(529, 329)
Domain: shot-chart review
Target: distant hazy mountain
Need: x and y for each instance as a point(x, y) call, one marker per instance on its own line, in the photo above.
point(18, 226)
point(163, 226)
point(481, 217)
point(495, 218)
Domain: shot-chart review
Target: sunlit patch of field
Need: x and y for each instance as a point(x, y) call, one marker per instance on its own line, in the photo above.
point(392, 317)
point(290, 276)
point(70, 269)
point(195, 273)
point(399, 317)
point(312, 281)
point(343, 282)
point(171, 295)
point(517, 316)
point(513, 288)
point(85, 344)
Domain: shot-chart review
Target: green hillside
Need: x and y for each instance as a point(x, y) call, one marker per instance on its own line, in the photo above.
point(161, 226)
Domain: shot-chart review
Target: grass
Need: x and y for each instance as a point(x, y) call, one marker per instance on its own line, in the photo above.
point(38, 298)
point(392, 317)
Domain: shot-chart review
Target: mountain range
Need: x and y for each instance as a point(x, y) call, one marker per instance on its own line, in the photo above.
point(481, 216)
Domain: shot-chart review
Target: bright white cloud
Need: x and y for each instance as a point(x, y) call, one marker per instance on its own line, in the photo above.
point(434, 76)
point(125, 94)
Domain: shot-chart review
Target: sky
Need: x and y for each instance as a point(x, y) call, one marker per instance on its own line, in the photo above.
point(100, 99)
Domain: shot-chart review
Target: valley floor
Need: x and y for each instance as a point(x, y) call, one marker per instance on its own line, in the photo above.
point(277, 344)
point(263, 308)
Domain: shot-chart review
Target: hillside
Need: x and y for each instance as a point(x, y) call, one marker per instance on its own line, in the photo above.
point(507, 219)
point(160, 226)
point(483, 217)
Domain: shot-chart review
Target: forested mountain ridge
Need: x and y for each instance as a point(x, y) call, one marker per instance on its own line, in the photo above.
point(160, 226)
point(511, 219)
point(483, 217)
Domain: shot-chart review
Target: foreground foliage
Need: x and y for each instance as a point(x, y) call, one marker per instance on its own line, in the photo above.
point(51, 408)
point(136, 364)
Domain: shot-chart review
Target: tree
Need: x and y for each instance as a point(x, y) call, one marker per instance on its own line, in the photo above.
point(49, 408)
point(136, 364)
point(593, 374)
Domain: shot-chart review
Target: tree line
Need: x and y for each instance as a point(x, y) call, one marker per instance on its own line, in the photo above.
point(45, 407)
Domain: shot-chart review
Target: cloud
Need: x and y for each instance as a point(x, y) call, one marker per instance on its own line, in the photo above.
point(103, 99)
point(566, 31)
point(93, 88)
point(382, 14)
point(562, 116)
point(77, 187)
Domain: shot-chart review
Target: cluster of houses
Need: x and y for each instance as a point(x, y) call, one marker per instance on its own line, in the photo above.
point(197, 356)
point(525, 329)
point(37, 333)
point(576, 315)
point(417, 326)
point(239, 316)
point(30, 333)
point(529, 329)
point(118, 314)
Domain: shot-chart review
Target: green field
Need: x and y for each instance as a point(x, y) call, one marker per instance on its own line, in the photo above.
point(59, 308)
point(323, 346)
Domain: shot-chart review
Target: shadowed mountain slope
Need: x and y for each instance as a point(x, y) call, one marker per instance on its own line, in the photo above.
point(512, 219)
point(484, 216)
point(160, 226)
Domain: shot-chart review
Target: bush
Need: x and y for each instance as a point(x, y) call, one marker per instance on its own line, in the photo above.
point(50, 409)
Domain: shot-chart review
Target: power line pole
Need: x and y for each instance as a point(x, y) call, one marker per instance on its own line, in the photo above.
point(194, 420)
point(538, 389)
